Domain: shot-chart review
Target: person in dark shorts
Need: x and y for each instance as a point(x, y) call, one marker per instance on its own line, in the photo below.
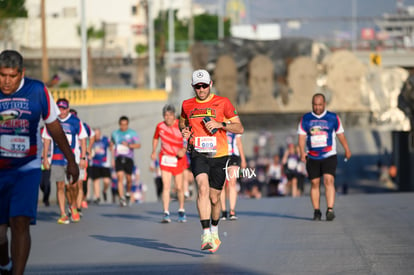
point(100, 165)
point(317, 132)
point(124, 141)
point(24, 103)
point(204, 121)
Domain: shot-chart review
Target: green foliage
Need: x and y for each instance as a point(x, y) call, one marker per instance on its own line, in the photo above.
point(92, 33)
point(140, 49)
point(12, 9)
point(205, 28)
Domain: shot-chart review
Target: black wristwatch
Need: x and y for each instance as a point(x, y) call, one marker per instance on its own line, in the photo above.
point(224, 124)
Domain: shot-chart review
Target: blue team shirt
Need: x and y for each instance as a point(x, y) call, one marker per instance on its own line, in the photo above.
point(320, 133)
point(100, 152)
point(73, 128)
point(20, 115)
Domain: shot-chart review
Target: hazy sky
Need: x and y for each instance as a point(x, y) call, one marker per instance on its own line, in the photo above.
point(268, 11)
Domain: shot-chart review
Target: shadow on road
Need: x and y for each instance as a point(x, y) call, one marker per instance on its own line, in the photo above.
point(152, 244)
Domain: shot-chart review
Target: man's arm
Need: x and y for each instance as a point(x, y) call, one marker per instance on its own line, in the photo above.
point(45, 152)
point(239, 145)
point(344, 142)
point(55, 130)
point(302, 144)
point(235, 125)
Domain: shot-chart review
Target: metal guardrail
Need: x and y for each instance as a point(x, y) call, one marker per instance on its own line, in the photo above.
point(108, 96)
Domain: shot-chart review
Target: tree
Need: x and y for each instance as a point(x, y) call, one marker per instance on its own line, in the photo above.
point(10, 9)
point(206, 27)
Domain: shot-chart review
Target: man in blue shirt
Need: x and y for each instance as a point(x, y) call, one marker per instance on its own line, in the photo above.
point(318, 131)
point(123, 142)
point(23, 103)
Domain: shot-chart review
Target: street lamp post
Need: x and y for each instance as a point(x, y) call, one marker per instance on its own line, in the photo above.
point(84, 51)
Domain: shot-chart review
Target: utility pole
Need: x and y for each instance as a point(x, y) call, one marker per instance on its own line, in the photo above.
point(171, 48)
point(45, 64)
point(354, 24)
point(151, 45)
point(84, 45)
point(220, 20)
point(191, 26)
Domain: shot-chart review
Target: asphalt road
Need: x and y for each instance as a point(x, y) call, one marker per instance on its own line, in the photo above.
point(372, 234)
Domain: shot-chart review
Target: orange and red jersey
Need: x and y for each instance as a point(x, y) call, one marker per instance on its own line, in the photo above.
point(216, 107)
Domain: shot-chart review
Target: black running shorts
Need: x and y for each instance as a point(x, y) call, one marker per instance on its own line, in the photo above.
point(317, 167)
point(213, 167)
point(98, 172)
point(235, 160)
point(124, 164)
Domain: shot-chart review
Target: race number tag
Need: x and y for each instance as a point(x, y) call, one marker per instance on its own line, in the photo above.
point(205, 144)
point(122, 149)
point(14, 146)
point(292, 163)
point(169, 161)
point(69, 138)
point(319, 141)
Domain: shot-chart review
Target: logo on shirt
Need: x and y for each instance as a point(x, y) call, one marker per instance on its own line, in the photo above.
point(203, 112)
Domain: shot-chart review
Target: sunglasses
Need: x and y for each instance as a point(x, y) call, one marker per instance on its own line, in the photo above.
point(199, 86)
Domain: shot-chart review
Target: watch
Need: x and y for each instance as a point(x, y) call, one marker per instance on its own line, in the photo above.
point(224, 124)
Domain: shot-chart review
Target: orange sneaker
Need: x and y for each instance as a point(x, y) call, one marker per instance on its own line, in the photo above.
point(75, 215)
point(84, 204)
point(63, 220)
point(215, 240)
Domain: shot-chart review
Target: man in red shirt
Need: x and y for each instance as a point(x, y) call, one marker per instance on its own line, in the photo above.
point(204, 121)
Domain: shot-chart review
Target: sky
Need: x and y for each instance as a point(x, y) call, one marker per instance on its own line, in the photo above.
point(268, 11)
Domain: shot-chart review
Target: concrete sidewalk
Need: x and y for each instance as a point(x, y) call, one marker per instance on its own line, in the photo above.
point(372, 234)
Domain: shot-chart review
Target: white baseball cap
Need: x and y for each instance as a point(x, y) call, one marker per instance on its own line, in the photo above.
point(201, 76)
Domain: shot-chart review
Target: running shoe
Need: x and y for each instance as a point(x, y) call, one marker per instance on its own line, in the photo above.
point(8, 269)
point(233, 216)
point(166, 218)
point(104, 196)
point(128, 198)
point(223, 215)
point(122, 202)
point(317, 215)
point(206, 242)
point(181, 216)
point(84, 204)
point(75, 215)
point(215, 240)
point(64, 219)
point(97, 201)
point(330, 214)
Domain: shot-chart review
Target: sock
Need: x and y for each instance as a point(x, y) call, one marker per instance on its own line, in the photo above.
point(214, 229)
point(181, 210)
point(167, 212)
point(206, 231)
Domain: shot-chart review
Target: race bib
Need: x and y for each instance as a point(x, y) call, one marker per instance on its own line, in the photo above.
point(169, 161)
point(319, 141)
point(122, 149)
point(292, 163)
point(205, 144)
point(69, 138)
point(14, 146)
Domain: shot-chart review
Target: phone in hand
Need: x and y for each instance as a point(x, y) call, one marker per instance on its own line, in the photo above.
point(207, 119)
